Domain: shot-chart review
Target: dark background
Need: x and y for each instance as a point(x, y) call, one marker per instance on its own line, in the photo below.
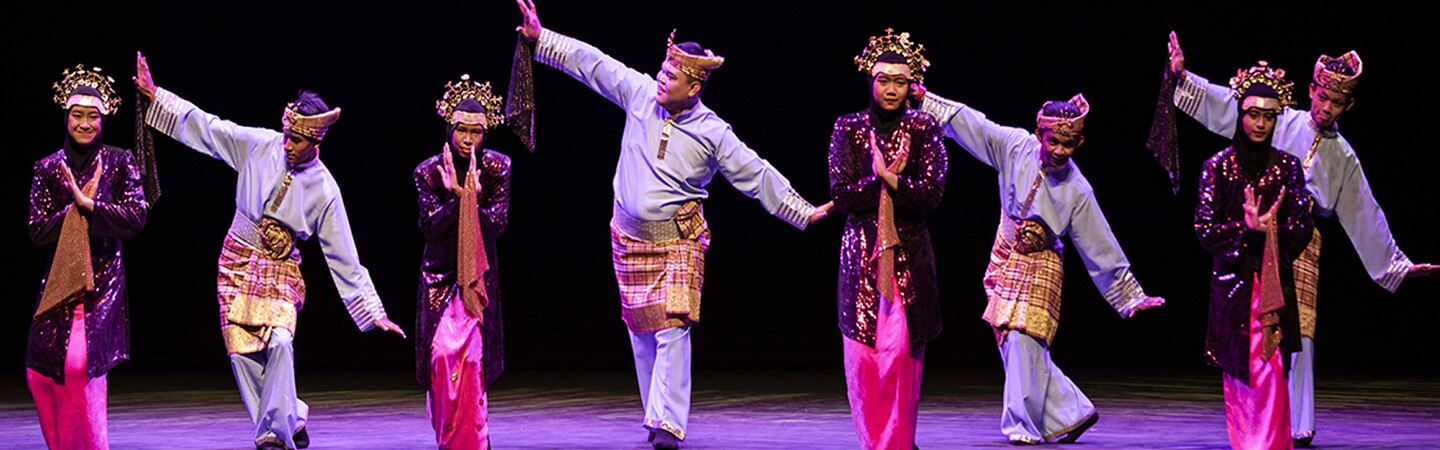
point(770, 290)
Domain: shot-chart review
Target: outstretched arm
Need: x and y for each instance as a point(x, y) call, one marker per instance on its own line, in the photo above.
point(757, 179)
point(610, 78)
point(352, 280)
point(1211, 104)
point(1105, 261)
point(206, 133)
point(1358, 211)
point(985, 140)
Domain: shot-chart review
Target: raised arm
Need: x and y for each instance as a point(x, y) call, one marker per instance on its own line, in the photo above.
point(610, 78)
point(204, 132)
point(1211, 104)
point(985, 140)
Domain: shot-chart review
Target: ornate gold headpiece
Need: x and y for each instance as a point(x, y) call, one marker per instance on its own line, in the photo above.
point(313, 127)
point(901, 45)
point(459, 91)
point(1066, 127)
point(1269, 76)
point(1336, 81)
point(78, 77)
point(696, 66)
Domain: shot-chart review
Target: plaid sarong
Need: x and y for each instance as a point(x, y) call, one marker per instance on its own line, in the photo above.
point(1023, 289)
point(660, 280)
point(1307, 280)
point(256, 295)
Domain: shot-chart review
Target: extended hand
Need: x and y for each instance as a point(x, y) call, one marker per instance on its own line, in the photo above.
point(821, 212)
point(530, 22)
point(387, 325)
point(1147, 303)
point(143, 81)
point(1422, 270)
point(1177, 56)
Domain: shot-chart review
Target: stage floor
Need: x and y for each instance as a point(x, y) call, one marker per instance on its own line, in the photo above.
point(748, 409)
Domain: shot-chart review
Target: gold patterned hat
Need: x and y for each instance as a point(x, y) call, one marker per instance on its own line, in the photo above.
point(1266, 75)
point(70, 90)
point(901, 45)
point(313, 127)
point(467, 89)
point(696, 66)
point(1337, 81)
point(1066, 127)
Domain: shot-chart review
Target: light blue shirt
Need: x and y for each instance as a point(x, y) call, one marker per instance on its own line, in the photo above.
point(1333, 177)
point(312, 205)
point(701, 143)
point(1064, 203)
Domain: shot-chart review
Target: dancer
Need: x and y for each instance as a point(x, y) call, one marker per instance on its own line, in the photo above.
point(283, 193)
point(672, 147)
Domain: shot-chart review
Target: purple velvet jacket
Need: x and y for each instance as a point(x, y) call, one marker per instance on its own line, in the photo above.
point(439, 222)
point(1220, 225)
point(856, 191)
point(120, 210)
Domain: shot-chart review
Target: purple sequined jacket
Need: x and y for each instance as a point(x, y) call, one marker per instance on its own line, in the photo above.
point(1220, 225)
point(856, 191)
point(439, 222)
point(120, 210)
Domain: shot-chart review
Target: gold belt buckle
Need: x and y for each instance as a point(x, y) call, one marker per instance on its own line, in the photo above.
point(1029, 237)
point(278, 240)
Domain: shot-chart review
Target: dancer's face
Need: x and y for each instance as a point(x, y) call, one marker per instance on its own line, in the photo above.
point(300, 149)
point(890, 85)
point(83, 124)
point(1056, 149)
point(1258, 123)
point(1326, 106)
point(466, 137)
point(674, 88)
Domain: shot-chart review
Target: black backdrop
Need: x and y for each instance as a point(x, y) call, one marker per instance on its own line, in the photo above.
point(769, 295)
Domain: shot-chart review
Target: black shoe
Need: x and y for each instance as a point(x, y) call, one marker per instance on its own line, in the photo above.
point(665, 441)
point(1304, 442)
point(1075, 434)
point(270, 446)
point(302, 438)
point(651, 437)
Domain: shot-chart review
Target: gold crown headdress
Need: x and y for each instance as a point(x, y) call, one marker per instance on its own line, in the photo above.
point(459, 91)
point(901, 45)
point(78, 77)
point(1336, 81)
point(1065, 126)
point(696, 66)
point(313, 127)
point(1269, 76)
